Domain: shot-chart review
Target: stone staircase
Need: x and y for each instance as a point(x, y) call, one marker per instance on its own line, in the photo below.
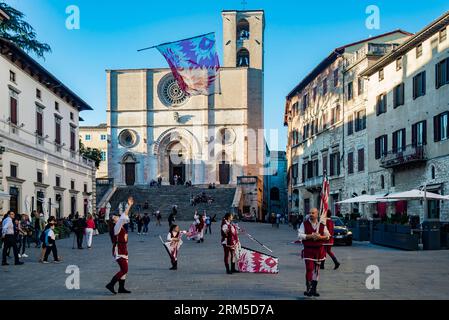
point(164, 197)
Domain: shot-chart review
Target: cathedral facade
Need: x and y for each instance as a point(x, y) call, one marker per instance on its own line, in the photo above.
point(156, 130)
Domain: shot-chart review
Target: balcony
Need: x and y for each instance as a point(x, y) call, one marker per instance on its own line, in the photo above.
point(409, 154)
point(314, 184)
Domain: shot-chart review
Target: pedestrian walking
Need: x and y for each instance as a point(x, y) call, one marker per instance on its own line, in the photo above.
point(50, 244)
point(328, 244)
point(139, 221)
point(313, 234)
point(146, 221)
point(208, 224)
point(90, 227)
point(158, 218)
point(51, 221)
point(39, 225)
point(9, 240)
point(79, 227)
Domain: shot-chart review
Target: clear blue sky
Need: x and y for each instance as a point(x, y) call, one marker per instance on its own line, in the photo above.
point(299, 34)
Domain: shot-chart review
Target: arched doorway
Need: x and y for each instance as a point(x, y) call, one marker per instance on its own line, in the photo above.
point(176, 154)
point(129, 163)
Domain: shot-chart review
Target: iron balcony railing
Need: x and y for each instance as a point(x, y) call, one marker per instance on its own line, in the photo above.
point(315, 182)
point(401, 156)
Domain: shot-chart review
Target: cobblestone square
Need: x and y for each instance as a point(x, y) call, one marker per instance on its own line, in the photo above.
point(420, 275)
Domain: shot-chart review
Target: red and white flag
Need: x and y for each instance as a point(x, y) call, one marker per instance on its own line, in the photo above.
point(324, 206)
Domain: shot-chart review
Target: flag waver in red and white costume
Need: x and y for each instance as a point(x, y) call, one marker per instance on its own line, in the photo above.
point(119, 237)
point(230, 242)
point(328, 244)
point(313, 234)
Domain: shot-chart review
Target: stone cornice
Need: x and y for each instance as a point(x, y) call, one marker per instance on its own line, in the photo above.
point(74, 191)
point(59, 189)
point(41, 185)
point(15, 180)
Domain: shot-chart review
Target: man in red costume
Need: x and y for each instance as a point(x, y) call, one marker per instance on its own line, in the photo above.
point(328, 244)
point(230, 241)
point(313, 234)
point(119, 237)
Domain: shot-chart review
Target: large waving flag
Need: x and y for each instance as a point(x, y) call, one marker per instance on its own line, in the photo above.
point(324, 206)
point(194, 64)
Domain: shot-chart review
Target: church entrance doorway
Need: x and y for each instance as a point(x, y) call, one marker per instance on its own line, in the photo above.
point(224, 172)
point(129, 162)
point(179, 171)
point(130, 174)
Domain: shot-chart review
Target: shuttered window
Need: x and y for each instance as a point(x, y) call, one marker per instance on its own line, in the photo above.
point(350, 162)
point(419, 85)
point(13, 110)
point(361, 159)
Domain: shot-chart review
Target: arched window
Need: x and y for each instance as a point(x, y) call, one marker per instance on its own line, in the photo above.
point(432, 172)
point(243, 58)
point(382, 182)
point(274, 194)
point(243, 30)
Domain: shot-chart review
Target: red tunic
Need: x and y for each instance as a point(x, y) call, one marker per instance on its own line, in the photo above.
point(330, 228)
point(313, 250)
point(120, 247)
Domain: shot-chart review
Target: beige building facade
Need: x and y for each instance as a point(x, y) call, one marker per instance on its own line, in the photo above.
point(156, 130)
point(317, 112)
point(40, 166)
point(96, 137)
point(408, 120)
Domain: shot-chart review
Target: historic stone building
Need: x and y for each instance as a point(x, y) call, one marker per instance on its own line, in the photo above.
point(408, 120)
point(157, 130)
point(326, 124)
point(40, 165)
point(96, 137)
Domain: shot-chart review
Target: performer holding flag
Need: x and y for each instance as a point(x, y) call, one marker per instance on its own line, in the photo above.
point(230, 242)
point(119, 237)
point(174, 242)
point(312, 233)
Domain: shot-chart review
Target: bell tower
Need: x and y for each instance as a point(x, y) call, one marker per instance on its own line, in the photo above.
point(243, 38)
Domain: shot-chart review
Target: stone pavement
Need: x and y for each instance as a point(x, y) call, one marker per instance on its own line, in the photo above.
point(201, 274)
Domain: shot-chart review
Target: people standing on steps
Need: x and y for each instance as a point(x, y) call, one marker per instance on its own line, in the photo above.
point(328, 244)
point(9, 240)
point(313, 234)
point(119, 238)
point(90, 227)
point(230, 242)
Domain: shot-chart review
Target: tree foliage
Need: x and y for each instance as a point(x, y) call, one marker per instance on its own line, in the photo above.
point(20, 32)
point(91, 153)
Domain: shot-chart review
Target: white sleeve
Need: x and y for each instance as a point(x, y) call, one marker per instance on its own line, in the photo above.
point(326, 232)
point(225, 228)
point(118, 226)
point(169, 236)
point(301, 232)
